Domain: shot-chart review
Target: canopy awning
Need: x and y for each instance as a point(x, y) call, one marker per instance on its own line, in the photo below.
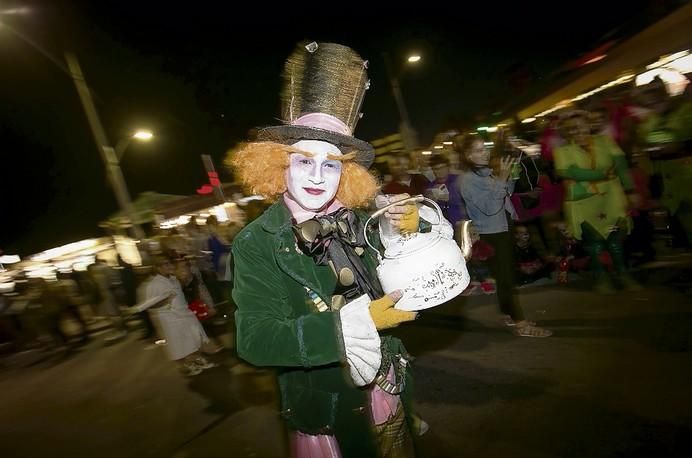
point(145, 209)
point(671, 34)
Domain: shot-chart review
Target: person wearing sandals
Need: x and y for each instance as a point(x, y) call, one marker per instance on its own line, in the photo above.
point(486, 194)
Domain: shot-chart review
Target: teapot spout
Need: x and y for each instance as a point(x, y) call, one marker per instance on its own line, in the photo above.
point(465, 236)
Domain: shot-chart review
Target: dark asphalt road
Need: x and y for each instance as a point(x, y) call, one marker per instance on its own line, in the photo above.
point(614, 381)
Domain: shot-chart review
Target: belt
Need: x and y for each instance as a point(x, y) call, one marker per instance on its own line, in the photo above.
point(400, 363)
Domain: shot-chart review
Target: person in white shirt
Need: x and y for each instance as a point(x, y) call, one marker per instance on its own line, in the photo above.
point(183, 333)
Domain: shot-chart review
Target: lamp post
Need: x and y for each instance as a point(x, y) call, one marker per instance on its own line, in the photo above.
point(108, 153)
point(407, 132)
point(123, 143)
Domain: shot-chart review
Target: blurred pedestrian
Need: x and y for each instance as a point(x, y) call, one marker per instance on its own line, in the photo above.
point(486, 194)
point(183, 333)
point(69, 299)
point(403, 181)
point(599, 190)
point(199, 301)
point(444, 190)
point(104, 279)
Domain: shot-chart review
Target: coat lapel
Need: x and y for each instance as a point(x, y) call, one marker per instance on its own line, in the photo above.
point(302, 268)
point(296, 265)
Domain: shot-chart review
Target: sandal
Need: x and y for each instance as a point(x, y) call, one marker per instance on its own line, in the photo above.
point(190, 370)
point(532, 331)
point(509, 322)
point(203, 363)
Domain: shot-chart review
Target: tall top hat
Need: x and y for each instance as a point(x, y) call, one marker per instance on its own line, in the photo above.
point(323, 89)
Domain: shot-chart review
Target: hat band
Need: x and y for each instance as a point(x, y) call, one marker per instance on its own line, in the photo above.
point(323, 121)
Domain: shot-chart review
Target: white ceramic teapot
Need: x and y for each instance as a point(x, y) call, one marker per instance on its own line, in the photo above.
point(429, 268)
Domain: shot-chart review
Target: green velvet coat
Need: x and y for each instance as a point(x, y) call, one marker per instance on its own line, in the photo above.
point(279, 326)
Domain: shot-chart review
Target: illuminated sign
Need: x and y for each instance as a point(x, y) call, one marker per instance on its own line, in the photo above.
point(214, 179)
point(213, 182)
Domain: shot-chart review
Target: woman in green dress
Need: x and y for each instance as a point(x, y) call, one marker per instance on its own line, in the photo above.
point(598, 193)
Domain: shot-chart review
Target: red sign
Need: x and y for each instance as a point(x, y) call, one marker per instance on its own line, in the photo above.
point(213, 182)
point(214, 179)
point(205, 189)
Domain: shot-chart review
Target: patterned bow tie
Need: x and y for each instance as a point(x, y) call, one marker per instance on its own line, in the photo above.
point(315, 234)
point(337, 240)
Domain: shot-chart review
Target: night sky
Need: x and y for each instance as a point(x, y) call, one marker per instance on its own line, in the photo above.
point(201, 74)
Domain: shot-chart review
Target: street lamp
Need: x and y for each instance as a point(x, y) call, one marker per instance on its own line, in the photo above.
point(123, 143)
point(108, 153)
point(409, 135)
point(143, 135)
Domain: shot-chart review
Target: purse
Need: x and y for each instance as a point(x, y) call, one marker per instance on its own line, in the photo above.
point(200, 309)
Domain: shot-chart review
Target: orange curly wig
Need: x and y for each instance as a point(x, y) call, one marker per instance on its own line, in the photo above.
point(261, 169)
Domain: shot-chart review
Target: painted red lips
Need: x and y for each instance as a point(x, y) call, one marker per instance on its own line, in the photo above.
point(314, 191)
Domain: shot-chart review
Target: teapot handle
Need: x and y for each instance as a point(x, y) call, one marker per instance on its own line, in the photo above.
point(382, 210)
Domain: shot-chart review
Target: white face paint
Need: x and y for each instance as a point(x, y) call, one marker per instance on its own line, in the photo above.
point(312, 181)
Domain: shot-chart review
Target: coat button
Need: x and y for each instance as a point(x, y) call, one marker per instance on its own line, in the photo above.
point(359, 410)
point(326, 430)
point(287, 249)
point(346, 277)
point(338, 301)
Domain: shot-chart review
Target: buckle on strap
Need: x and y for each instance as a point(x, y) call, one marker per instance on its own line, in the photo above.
point(387, 386)
point(399, 362)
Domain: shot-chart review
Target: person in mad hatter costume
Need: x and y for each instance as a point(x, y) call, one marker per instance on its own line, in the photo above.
point(309, 301)
point(599, 190)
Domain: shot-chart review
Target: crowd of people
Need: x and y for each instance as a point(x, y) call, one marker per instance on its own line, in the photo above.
point(308, 301)
point(603, 195)
point(602, 191)
point(177, 297)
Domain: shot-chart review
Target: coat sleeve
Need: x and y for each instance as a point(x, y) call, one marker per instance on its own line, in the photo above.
point(579, 174)
point(268, 333)
point(566, 168)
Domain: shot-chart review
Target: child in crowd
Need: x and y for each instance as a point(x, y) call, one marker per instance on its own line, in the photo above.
point(572, 249)
point(531, 265)
point(481, 282)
